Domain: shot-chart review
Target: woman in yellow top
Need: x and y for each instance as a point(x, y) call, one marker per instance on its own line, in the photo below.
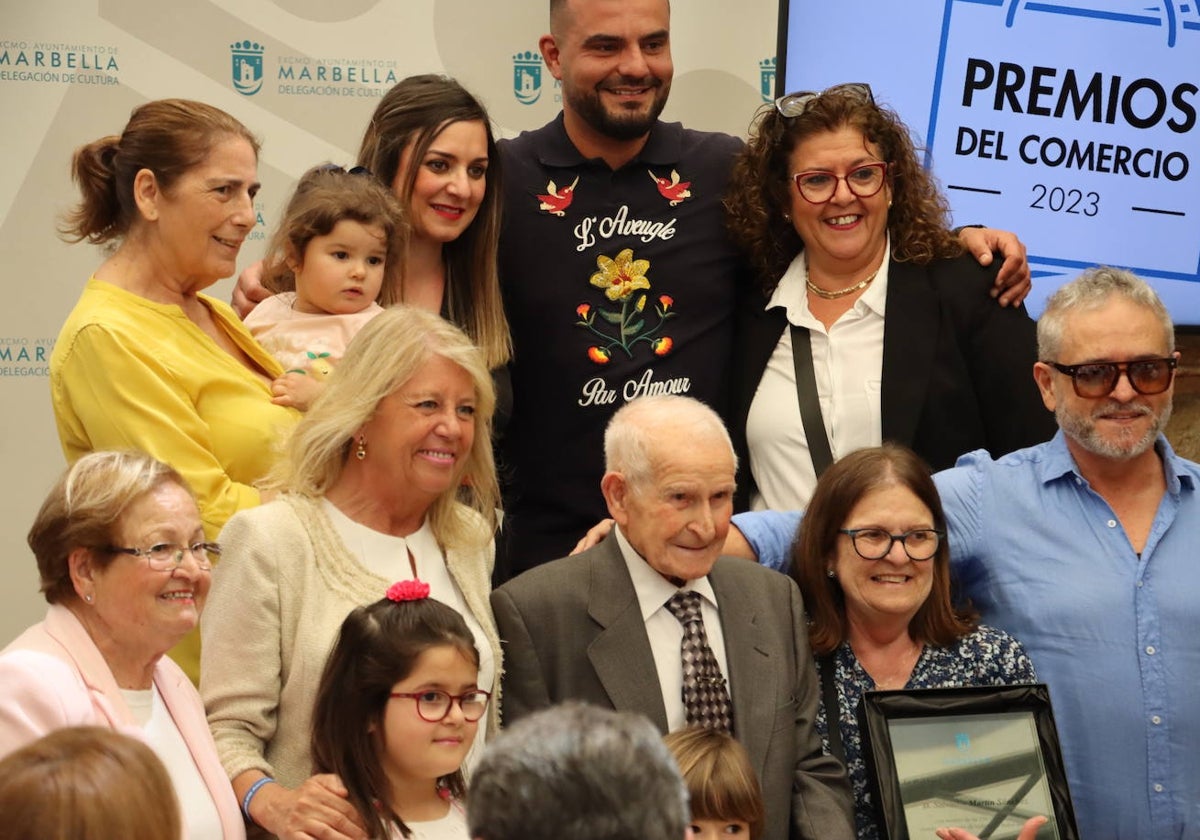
point(145, 361)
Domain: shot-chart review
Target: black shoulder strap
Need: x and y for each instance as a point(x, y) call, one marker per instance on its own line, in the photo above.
point(810, 403)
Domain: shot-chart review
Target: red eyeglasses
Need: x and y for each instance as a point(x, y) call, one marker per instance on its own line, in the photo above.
point(818, 186)
point(433, 705)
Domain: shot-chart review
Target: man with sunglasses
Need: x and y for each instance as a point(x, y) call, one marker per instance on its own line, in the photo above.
point(618, 277)
point(1084, 548)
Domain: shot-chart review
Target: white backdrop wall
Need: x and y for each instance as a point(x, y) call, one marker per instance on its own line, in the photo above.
point(305, 76)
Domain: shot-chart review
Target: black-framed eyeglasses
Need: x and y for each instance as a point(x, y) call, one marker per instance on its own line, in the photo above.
point(817, 186)
point(875, 543)
point(167, 557)
point(795, 104)
point(1092, 380)
point(433, 705)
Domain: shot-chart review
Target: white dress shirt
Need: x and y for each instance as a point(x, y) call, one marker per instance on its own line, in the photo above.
point(848, 364)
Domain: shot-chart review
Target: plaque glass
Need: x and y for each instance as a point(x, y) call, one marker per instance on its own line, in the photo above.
point(985, 759)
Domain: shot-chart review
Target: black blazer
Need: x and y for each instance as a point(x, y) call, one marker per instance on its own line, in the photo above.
point(957, 366)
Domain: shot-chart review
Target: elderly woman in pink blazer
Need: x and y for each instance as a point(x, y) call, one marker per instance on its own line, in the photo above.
point(124, 565)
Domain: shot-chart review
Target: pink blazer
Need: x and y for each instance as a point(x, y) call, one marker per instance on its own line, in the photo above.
point(53, 676)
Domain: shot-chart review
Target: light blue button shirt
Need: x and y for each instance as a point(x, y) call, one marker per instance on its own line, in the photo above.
point(1116, 636)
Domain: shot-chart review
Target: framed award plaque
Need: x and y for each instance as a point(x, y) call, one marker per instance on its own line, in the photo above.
point(984, 758)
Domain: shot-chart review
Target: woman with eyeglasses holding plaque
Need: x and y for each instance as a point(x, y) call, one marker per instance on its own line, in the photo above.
point(124, 564)
point(873, 567)
point(871, 323)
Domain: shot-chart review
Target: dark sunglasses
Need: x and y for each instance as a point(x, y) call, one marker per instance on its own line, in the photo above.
point(1098, 379)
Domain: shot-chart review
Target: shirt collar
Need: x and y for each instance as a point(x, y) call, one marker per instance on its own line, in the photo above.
point(791, 293)
point(663, 146)
point(1056, 460)
point(653, 590)
point(1057, 463)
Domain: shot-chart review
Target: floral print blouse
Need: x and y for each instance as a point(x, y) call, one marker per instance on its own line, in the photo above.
point(985, 657)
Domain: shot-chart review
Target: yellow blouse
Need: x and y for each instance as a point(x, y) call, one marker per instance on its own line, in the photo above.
point(130, 373)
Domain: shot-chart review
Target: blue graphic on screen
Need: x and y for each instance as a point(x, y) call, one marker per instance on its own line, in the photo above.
point(1072, 122)
point(1169, 16)
point(1084, 153)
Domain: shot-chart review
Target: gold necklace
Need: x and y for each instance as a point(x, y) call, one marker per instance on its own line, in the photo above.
point(840, 293)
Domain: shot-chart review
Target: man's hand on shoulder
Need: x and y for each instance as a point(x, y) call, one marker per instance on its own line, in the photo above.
point(593, 536)
point(1013, 282)
point(249, 291)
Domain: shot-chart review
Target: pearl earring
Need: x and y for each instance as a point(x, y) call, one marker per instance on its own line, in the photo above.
point(361, 451)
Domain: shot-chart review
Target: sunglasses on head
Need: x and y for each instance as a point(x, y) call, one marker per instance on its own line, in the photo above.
point(794, 104)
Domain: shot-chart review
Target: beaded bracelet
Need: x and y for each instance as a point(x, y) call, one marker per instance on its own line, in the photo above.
point(250, 795)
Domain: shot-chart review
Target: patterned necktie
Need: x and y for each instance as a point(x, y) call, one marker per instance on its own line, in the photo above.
point(705, 696)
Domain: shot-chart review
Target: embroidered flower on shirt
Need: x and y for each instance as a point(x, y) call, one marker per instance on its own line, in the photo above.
point(622, 278)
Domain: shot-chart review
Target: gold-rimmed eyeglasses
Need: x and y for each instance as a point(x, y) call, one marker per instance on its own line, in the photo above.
point(167, 557)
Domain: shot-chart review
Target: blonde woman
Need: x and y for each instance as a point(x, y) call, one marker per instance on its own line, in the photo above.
point(388, 477)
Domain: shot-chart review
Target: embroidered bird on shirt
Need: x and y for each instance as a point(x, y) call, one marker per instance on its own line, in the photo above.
point(557, 200)
point(672, 188)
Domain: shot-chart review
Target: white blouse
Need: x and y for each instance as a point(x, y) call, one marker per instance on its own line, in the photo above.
point(200, 818)
point(453, 826)
point(848, 364)
point(388, 557)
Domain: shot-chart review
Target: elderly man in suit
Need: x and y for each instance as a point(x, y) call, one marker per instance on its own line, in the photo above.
point(654, 621)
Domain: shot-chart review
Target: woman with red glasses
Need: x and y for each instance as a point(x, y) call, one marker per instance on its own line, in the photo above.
point(398, 708)
point(871, 321)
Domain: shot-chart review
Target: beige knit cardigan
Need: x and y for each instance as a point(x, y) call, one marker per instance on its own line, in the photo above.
point(285, 583)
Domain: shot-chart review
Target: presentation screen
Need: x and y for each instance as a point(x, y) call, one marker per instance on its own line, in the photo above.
point(1071, 122)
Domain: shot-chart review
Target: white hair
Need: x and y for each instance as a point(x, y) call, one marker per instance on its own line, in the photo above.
point(628, 440)
point(1089, 291)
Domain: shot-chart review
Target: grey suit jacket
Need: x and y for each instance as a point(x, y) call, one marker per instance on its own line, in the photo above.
point(572, 630)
